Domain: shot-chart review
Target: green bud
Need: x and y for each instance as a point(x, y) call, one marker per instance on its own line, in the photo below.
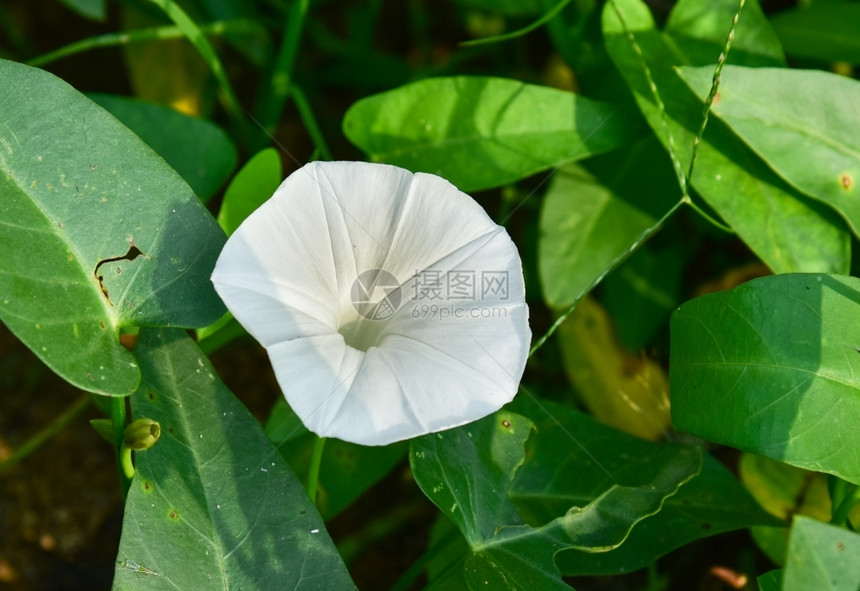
point(141, 434)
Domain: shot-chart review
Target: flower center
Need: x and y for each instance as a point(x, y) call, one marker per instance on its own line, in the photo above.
point(361, 333)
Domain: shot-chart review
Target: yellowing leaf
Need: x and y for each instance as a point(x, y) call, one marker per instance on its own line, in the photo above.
point(623, 390)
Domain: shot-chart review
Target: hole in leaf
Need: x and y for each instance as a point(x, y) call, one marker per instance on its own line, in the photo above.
point(133, 253)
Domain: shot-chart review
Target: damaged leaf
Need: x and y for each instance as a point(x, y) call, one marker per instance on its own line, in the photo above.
point(98, 233)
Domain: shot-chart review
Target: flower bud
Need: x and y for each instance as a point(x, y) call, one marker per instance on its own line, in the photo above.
point(141, 434)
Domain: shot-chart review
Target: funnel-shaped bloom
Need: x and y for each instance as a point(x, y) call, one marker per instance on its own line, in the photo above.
point(390, 304)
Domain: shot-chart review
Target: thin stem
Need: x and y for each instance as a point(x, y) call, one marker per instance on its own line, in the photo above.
point(658, 100)
point(119, 420)
point(544, 18)
point(195, 35)
point(278, 86)
point(310, 122)
point(40, 437)
point(715, 86)
point(617, 261)
point(125, 463)
point(848, 502)
point(137, 36)
point(708, 217)
point(314, 470)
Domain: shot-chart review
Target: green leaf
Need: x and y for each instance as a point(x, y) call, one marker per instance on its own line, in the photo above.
point(801, 122)
point(347, 470)
point(641, 293)
point(821, 557)
point(724, 168)
point(770, 581)
point(824, 30)
point(482, 132)
point(594, 214)
point(788, 231)
point(98, 233)
point(785, 491)
point(198, 150)
point(466, 473)
point(252, 186)
point(772, 367)
point(698, 30)
point(561, 473)
point(91, 9)
point(212, 504)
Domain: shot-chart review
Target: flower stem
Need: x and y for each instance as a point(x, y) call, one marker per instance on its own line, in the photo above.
point(118, 419)
point(57, 425)
point(314, 471)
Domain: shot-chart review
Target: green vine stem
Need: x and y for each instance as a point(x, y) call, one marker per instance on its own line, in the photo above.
point(141, 35)
point(542, 20)
point(280, 80)
point(310, 122)
point(43, 435)
point(195, 35)
point(658, 100)
point(844, 497)
point(617, 261)
point(715, 86)
point(119, 416)
point(314, 470)
point(126, 466)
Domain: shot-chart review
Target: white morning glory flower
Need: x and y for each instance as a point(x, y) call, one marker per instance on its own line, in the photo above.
point(390, 304)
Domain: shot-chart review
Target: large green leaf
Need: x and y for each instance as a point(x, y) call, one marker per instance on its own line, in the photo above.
point(482, 132)
point(466, 473)
point(198, 150)
point(212, 504)
point(96, 233)
point(562, 473)
point(766, 212)
point(772, 367)
point(825, 30)
point(801, 122)
point(821, 557)
point(594, 213)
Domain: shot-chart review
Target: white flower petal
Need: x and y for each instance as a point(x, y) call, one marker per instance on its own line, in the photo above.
point(291, 271)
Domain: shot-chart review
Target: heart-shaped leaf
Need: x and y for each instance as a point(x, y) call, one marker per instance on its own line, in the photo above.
point(773, 367)
point(97, 233)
